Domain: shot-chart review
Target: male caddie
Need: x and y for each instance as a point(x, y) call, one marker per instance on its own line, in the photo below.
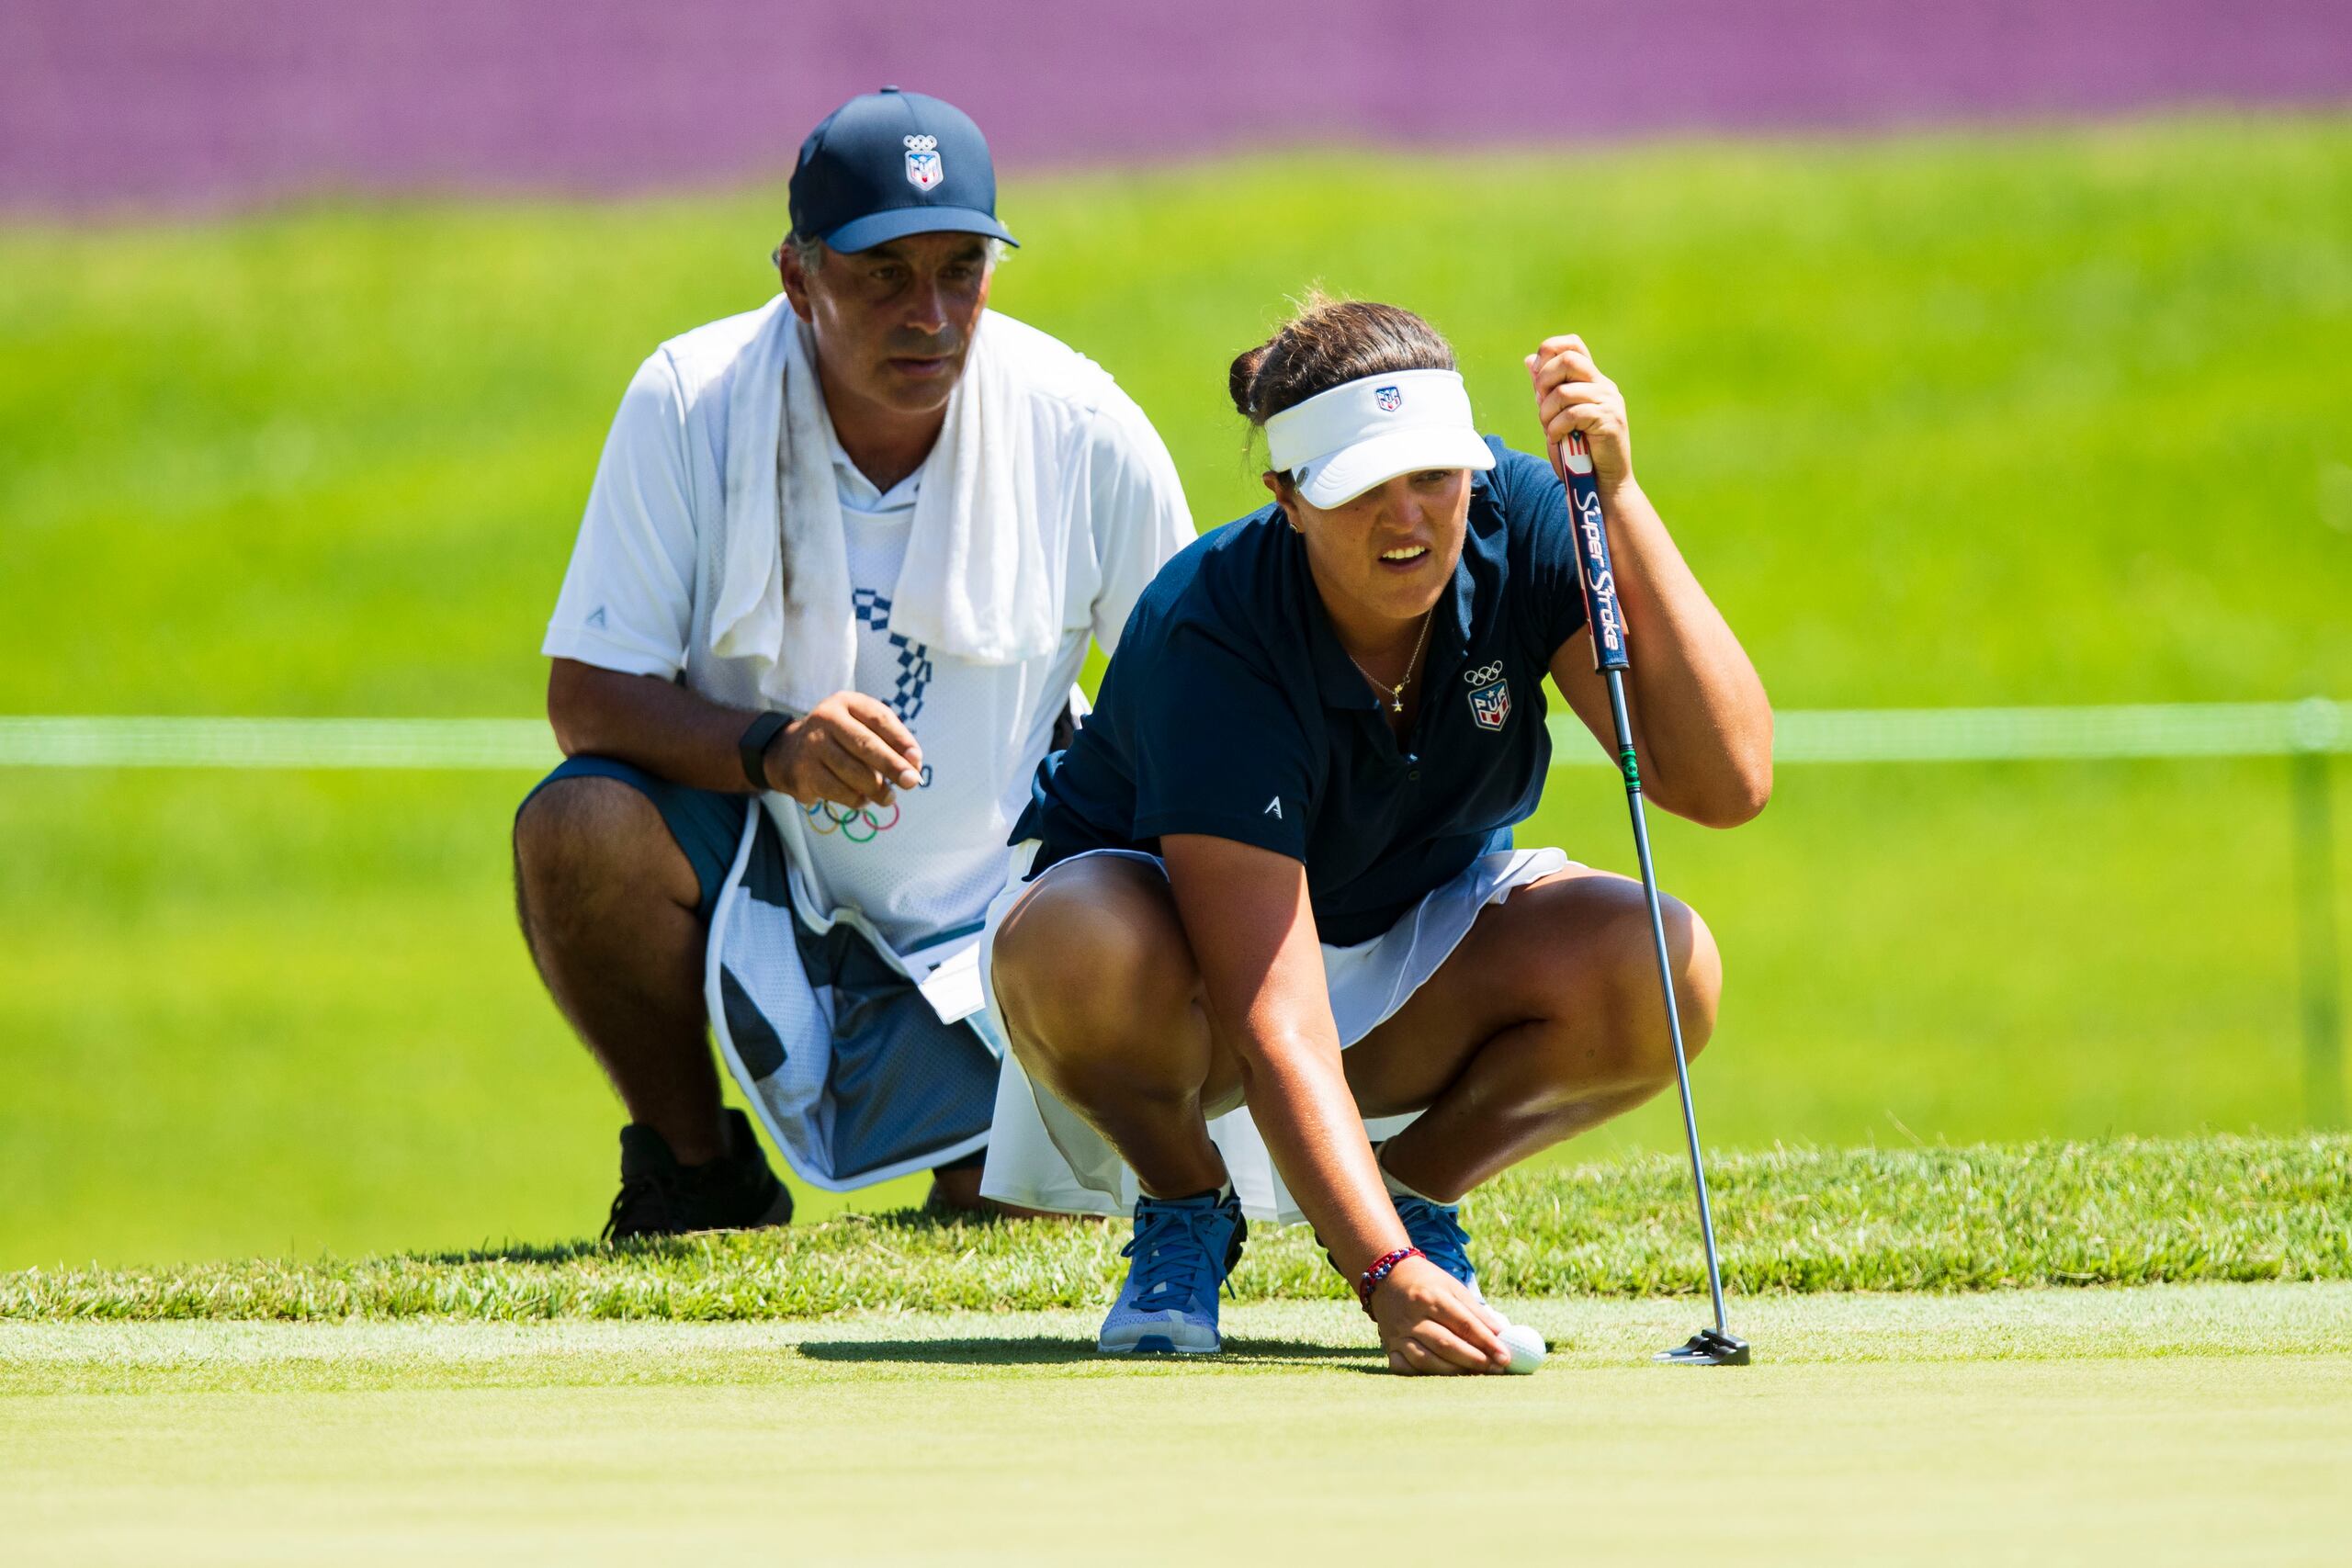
point(837, 574)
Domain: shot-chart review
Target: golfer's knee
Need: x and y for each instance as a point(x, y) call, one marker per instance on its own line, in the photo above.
point(1636, 1001)
point(1595, 962)
point(1090, 968)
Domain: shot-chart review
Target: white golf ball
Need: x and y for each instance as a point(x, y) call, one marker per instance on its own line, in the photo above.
point(1526, 1347)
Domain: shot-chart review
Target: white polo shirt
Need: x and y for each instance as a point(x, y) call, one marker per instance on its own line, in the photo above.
point(931, 864)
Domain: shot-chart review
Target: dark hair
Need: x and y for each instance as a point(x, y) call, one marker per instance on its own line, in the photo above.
point(1330, 341)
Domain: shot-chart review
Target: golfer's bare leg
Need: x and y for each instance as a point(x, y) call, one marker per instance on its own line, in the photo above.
point(608, 902)
point(1101, 996)
point(1546, 1020)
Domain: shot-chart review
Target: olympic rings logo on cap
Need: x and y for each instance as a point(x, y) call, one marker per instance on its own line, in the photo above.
point(859, 825)
point(1485, 675)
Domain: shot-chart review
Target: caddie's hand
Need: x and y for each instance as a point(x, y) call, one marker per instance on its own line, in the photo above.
point(850, 750)
point(1429, 1324)
point(1572, 395)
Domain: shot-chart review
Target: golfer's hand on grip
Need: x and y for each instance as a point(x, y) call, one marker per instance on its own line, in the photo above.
point(850, 750)
point(1431, 1323)
point(1573, 397)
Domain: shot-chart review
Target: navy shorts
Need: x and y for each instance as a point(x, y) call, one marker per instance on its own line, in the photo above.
point(706, 825)
point(709, 829)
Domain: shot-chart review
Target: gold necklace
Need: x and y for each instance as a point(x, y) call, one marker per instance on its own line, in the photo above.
point(1396, 693)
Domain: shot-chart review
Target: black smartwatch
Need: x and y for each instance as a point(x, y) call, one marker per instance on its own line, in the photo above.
point(754, 748)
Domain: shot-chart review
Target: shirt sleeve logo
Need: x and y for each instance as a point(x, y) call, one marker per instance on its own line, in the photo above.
point(1273, 808)
point(1490, 695)
point(924, 169)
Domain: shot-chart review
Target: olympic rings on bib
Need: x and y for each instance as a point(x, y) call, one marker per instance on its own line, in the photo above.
point(860, 825)
point(1485, 675)
point(857, 826)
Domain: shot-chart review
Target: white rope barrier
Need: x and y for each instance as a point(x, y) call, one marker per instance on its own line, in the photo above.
point(1859, 735)
point(466, 743)
point(1995, 735)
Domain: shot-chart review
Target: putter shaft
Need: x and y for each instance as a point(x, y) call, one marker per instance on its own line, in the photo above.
point(1604, 617)
point(1616, 679)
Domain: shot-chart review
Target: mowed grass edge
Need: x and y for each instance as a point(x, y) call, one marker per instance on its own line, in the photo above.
point(2127, 1212)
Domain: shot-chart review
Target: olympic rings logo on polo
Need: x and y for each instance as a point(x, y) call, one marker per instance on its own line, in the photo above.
point(1484, 674)
point(859, 825)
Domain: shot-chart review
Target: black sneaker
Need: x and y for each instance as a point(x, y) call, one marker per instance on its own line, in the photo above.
point(660, 1197)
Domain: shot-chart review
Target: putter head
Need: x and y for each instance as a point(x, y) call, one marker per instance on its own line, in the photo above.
point(1708, 1347)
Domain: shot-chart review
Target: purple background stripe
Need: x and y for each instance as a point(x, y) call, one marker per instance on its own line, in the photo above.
point(205, 103)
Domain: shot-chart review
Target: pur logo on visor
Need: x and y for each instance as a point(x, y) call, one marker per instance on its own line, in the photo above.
point(1342, 441)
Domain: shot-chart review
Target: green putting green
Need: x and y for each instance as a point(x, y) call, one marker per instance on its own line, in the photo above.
point(2176, 1424)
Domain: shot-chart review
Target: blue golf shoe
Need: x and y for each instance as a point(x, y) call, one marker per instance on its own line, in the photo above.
point(1182, 1250)
point(1436, 1229)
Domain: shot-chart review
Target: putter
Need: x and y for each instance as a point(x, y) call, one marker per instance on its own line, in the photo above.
point(1717, 1345)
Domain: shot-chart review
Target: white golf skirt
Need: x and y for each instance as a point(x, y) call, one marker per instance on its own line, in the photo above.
point(1043, 1155)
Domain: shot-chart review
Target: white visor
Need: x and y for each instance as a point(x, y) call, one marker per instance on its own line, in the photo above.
point(1338, 445)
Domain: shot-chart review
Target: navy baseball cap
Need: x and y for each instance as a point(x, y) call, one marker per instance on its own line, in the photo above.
point(887, 165)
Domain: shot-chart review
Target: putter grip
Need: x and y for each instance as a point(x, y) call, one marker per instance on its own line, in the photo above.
point(1574, 463)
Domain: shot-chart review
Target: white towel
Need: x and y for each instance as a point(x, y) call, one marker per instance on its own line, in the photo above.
point(976, 584)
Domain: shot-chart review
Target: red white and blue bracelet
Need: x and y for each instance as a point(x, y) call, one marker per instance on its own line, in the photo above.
point(1387, 1265)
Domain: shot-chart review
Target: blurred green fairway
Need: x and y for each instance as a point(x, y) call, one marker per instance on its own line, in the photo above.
point(2055, 417)
point(2196, 1425)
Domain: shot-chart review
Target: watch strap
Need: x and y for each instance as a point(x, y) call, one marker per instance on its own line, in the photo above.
point(754, 748)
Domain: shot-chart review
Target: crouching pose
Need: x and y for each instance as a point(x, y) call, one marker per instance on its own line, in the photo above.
point(842, 559)
point(1284, 834)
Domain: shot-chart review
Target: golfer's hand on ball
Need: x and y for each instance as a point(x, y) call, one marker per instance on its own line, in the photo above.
point(1571, 396)
point(1429, 1324)
point(850, 750)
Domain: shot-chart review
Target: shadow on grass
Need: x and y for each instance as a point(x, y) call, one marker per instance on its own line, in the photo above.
point(515, 1252)
point(1040, 1352)
point(913, 1222)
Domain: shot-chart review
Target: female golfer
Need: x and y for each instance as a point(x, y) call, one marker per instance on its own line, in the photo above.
point(1286, 831)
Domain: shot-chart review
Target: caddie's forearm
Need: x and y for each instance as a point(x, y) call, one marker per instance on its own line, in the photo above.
point(1702, 724)
point(1298, 1096)
point(654, 724)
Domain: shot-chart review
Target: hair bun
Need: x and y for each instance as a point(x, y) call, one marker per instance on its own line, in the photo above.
point(1330, 341)
point(1241, 380)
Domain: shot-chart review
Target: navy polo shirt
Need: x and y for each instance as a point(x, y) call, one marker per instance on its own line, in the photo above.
point(1231, 710)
